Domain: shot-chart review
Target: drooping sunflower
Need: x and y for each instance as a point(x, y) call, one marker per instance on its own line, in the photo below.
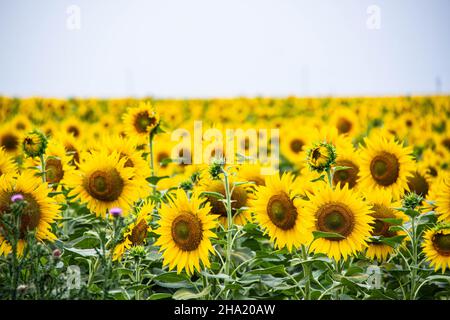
point(277, 209)
point(7, 164)
point(385, 165)
point(382, 208)
point(341, 211)
point(140, 121)
point(436, 246)
point(186, 229)
point(40, 211)
point(103, 182)
point(136, 232)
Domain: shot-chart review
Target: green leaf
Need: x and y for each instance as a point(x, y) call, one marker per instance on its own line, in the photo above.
point(213, 194)
point(171, 277)
point(321, 234)
point(340, 168)
point(321, 178)
point(185, 294)
point(412, 213)
point(83, 252)
point(154, 180)
point(270, 270)
point(392, 241)
point(222, 276)
point(392, 221)
point(159, 296)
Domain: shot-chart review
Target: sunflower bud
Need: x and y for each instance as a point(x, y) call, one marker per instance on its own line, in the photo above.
point(137, 252)
point(321, 156)
point(215, 169)
point(412, 200)
point(34, 144)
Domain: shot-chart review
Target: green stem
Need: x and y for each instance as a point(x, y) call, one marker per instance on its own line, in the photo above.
point(44, 178)
point(152, 164)
point(307, 273)
point(330, 177)
point(414, 257)
point(230, 226)
point(137, 265)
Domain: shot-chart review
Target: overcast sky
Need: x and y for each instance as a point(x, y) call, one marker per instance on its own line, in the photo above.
point(207, 48)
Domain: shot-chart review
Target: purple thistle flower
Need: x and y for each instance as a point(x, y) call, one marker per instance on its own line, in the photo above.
point(17, 197)
point(116, 212)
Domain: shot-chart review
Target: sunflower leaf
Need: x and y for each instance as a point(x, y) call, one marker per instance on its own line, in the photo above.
point(154, 179)
point(392, 221)
point(321, 234)
point(213, 194)
point(340, 168)
point(185, 294)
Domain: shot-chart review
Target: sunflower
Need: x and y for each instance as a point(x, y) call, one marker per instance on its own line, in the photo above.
point(421, 180)
point(7, 164)
point(72, 146)
point(255, 173)
point(340, 211)
point(40, 211)
point(74, 127)
point(104, 182)
point(436, 246)
point(10, 140)
point(345, 121)
point(34, 143)
point(141, 121)
point(294, 140)
point(136, 232)
point(126, 147)
point(239, 198)
point(347, 158)
point(382, 208)
point(442, 199)
point(278, 211)
point(385, 165)
point(185, 230)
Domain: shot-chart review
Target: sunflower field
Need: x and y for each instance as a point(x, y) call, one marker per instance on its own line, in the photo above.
point(148, 199)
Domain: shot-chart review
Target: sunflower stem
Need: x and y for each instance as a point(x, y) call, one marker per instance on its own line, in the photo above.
point(330, 177)
point(137, 265)
point(230, 225)
point(307, 272)
point(44, 178)
point(152, 164)
point(414, 257)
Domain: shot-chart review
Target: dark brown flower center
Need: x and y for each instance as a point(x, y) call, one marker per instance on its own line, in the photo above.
point(381, 228)
point(104, 185)
point(418, 184)
point(446, 143)
point(281, 211)
point(10, 142)
point(441, 243)
point(296, 145)
point(385, 168)
point(129, 163)
point(54, 170)
point(432, 171)
point(143, 120)
point(238, 198)
point(336, 218)
point(139, 233)
point(31, 214)
point(344, 125)
point(346, 176)
point(187, 231)
point(74, 131)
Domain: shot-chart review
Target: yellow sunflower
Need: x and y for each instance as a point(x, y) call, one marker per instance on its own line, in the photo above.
point(340, 211)
point(185, 231)
point(239, 197)
point(347, 158)
point(436, 246)
point(345, 121)
point(382, 208)
point(385, 165)
point(39, 214)
point(137, 231)
point(7, 164)
point(140, 121)
point(442, 199)
point(276, 208)
point(103, 182)
point(10, 140)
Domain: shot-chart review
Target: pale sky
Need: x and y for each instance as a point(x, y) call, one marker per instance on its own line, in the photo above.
point(209, 48)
